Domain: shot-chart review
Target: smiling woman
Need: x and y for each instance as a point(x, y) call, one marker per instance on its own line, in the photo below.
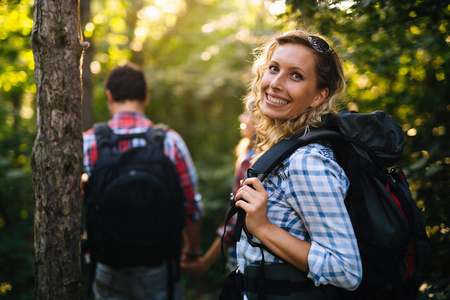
point(298, 212)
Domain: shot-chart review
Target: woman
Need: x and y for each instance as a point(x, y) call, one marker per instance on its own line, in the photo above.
point(298, 212)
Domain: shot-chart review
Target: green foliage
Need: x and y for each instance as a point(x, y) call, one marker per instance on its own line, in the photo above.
point(17, 128)
point(16, 252)
point(16, 228)
point(197, 58)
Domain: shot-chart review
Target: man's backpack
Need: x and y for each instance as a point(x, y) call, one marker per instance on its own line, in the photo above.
point(135, 203)
point(391, 235)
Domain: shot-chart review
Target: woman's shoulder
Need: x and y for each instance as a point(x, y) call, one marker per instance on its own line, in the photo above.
point(321, 150)
point(314, 158)
point(306, 157)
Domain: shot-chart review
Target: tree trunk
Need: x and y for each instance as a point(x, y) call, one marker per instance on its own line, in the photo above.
point(57, 154)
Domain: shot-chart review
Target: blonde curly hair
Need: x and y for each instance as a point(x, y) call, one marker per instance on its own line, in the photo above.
point(329, 74)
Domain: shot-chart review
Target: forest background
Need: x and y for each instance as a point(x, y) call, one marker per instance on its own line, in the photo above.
point(197, 57)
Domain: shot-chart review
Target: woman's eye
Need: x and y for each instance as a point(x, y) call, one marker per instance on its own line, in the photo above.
point(273, 69)
point(297, 76)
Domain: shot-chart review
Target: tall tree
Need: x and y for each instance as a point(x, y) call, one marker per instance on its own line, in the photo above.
point(57, 154)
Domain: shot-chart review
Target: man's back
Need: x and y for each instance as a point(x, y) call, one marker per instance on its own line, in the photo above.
point(176, 152)
point(135, 204)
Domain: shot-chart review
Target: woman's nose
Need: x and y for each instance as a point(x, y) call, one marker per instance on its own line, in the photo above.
point(276, 83)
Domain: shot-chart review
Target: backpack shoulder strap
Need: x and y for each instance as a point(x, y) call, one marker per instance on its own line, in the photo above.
point(159, 134)
point(283, 149)
point(102, 131)
point(104, 137)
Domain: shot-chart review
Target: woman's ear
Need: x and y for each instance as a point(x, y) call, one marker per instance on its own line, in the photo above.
point(320, 97)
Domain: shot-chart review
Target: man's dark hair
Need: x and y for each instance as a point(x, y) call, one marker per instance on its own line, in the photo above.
point(127, 83)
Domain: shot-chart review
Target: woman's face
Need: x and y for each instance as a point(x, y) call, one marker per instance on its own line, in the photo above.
point(289, 85)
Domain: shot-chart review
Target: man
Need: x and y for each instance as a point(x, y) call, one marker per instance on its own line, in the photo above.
point(126, 94)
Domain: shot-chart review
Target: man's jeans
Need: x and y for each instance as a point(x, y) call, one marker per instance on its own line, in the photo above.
point(133, 283)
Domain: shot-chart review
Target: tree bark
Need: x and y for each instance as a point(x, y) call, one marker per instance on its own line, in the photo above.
point(57, 153)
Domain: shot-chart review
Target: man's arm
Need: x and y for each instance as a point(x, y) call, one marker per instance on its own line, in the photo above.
point(176, 150)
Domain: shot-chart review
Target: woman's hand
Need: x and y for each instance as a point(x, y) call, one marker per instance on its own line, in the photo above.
point(252, 198)
point(279, 241)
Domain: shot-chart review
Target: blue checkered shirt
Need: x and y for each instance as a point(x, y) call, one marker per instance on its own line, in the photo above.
point(306, 198)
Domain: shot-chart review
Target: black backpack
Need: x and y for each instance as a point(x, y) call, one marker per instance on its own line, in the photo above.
point(391, 235)
point(135, 203)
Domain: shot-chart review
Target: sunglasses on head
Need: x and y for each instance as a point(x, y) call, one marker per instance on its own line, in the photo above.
point(316, 42)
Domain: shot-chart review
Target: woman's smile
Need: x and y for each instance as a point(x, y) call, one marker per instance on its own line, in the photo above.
point(274, 100)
